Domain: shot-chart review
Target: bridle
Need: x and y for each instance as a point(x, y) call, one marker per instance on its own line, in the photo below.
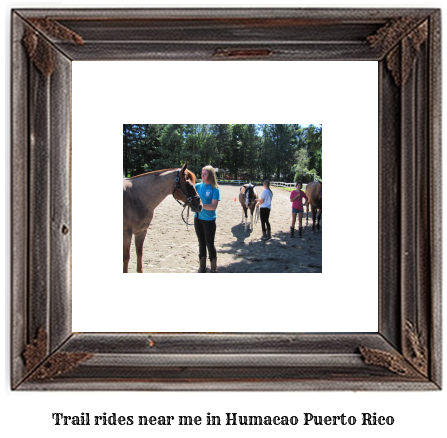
point(247, 193)
point(249, 190)
point(189, 199)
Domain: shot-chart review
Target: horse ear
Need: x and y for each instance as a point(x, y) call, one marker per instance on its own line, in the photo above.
point(183, 169)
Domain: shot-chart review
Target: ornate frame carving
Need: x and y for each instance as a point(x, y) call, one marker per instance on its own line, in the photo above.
point(405, 354)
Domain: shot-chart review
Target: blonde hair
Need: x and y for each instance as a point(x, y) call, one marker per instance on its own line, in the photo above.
point(211, 175)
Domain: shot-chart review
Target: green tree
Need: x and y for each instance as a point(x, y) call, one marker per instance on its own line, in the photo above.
point(172, 140)
point(223, 136)
point(308, 157)
point(314, 138)
point(279, 151)
point(266, 155)
point(283, 136)
point(251, 147)
point(237, 152)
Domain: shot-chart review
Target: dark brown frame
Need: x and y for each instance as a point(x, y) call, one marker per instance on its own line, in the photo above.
point(405, 354)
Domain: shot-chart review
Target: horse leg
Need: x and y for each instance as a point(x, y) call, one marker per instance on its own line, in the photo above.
point(251, 218)
point(127, 240)
point(246, 217)
point(139, 240)
point(307, 213)
point(319, 218)
point(314, 211)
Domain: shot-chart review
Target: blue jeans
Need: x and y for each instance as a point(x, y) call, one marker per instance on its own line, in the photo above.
point(295, 210)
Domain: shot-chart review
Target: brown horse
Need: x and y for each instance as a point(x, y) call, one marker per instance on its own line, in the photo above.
point(142, 194)
point(247, 198)
point(313, 193)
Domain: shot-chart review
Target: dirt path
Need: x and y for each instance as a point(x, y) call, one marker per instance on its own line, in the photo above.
point(171, 246)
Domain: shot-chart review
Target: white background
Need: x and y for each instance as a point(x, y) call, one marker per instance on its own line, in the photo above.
point(416, 414)
point(345, 102)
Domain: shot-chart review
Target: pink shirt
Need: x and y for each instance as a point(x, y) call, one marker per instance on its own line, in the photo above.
point(298, 203)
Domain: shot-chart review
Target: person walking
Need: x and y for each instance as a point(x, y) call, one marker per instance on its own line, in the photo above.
point(205, 221)
point(265, 204)
point(298, 199)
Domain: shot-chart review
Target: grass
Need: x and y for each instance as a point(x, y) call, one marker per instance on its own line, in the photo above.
point(259, 184)
point(290, 189)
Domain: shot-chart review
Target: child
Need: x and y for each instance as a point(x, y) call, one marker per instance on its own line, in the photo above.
point(205, 221)
point(296, 198)
point(265, 202)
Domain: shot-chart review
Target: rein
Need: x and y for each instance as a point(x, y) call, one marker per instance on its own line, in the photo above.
point(256, 215)
point(189, 199)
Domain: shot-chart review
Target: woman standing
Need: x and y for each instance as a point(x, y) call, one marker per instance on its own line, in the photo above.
point(265, 203)
point(296, 198)
point(205, 221)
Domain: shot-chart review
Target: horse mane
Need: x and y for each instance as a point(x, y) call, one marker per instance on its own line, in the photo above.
point(188, 174)
point(148, 173)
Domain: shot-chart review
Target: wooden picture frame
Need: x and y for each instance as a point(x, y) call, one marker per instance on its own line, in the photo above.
point(405, 353)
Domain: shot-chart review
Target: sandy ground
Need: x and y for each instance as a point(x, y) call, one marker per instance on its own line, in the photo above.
point(171, 246)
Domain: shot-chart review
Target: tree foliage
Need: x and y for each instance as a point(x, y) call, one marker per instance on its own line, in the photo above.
point(252, 152)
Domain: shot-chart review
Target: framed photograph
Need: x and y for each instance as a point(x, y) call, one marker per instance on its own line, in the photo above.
point(244, 162)
point(51, 351)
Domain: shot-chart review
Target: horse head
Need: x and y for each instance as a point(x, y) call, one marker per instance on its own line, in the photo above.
point(249, 194)
point(187, 192)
